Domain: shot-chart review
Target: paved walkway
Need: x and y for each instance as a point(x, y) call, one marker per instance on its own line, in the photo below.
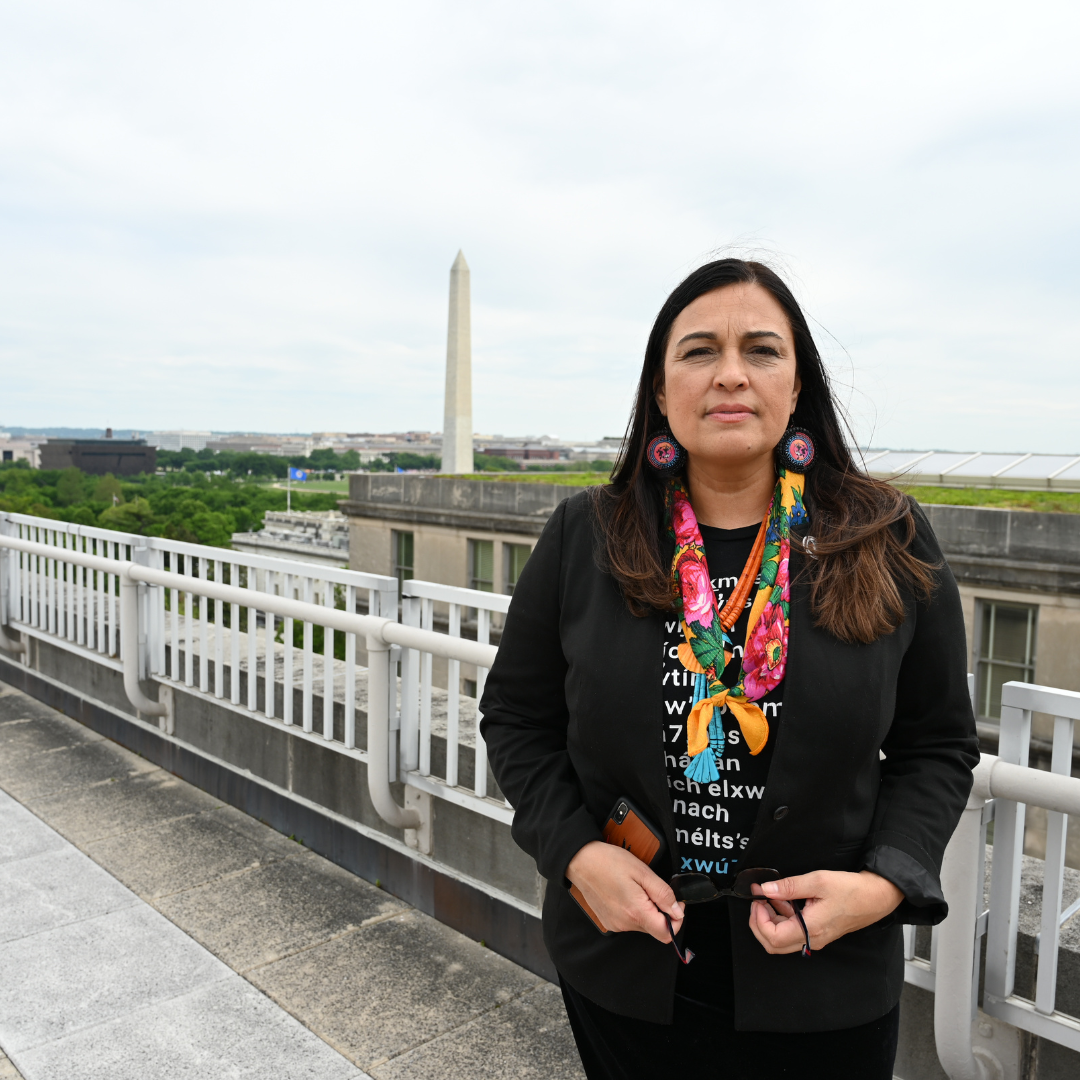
point(150, 931)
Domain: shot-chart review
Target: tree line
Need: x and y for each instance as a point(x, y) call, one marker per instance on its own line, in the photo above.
point(271, 466)
point(184, 505)
point(250, 463)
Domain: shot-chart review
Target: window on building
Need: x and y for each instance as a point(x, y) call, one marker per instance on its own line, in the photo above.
point(403, 556)
point(482, 565)
point(1006, 652)
point(514, 559)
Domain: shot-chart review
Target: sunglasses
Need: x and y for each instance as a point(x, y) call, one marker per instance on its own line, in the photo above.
point(700, 888)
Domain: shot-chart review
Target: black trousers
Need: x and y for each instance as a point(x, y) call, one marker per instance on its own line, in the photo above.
point(702, 1043)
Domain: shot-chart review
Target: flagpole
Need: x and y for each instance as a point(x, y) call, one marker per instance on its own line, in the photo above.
point(288, 492)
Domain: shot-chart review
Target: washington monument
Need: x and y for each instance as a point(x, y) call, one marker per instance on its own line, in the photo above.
point(457, 445)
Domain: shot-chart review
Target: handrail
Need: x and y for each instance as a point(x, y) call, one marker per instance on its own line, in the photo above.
point(187, 549)
point(454, 594)
point(390, 632)
point(129, 610)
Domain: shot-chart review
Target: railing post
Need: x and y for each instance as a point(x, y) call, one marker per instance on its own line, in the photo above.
point(410, 690)
point(1013, 744)
point(6, 578)
point(955, 985)
point(1053, 875)
point(140, 555)
point(378, 738)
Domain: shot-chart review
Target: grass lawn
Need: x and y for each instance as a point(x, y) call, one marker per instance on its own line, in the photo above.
point(341, 486)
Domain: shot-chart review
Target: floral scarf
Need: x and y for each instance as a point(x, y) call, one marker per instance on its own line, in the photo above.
point(707, 649)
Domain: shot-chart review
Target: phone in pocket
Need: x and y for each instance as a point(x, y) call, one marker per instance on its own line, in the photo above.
point(627, 828)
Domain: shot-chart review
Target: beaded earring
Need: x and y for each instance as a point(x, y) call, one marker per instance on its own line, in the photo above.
point(796, 450)
point(665, 453)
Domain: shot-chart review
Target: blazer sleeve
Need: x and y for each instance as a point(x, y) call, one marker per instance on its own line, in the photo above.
point(525, 715)
point(930, 749)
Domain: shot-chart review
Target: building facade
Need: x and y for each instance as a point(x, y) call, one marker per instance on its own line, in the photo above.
point(474, 534)
point(179, 440)
point(1019, 578)
point(96, 457)
point(13, 449)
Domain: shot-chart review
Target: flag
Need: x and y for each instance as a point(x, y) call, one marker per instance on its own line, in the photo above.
point(297, 474)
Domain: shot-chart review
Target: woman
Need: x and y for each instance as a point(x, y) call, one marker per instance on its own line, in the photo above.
point(763, 650)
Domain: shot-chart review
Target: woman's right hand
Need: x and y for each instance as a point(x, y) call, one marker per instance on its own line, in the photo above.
point(623, 891)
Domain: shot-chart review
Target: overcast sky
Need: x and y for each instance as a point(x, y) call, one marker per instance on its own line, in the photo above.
point(241, 216)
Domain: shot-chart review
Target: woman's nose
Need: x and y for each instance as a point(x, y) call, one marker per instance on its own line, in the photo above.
point(730, 373)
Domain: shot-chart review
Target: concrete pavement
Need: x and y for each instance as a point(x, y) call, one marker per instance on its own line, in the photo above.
point(151, 931)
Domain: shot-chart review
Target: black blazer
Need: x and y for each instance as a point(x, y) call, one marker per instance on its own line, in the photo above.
point(572, 719)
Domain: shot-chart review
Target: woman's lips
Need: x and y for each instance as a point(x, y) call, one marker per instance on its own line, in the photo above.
point(730, 414)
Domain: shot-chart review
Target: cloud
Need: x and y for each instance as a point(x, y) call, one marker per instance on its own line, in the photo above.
point(240, 215)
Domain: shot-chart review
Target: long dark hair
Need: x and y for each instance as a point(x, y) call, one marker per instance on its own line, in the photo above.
point(862, 527)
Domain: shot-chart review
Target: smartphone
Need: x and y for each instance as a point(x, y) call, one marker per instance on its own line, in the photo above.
point(627, 827)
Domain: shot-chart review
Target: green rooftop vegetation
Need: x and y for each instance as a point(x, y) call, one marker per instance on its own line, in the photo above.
point(1047, 502)
point(571, 479)
point(1053, 502)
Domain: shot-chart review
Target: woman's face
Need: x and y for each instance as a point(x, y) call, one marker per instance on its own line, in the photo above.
point(730, 382)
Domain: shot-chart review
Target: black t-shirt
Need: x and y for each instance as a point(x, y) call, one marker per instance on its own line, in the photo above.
point(713, 821)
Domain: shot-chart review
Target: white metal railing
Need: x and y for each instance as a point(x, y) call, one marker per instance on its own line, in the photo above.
point(418, 600)
point(1040, 1016)
point(190, 639)
point(1003, 788)
point(185, 616)
point(188, 616)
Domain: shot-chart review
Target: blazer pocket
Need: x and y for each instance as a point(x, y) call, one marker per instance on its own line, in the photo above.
point(848, 853)
point(849, 846)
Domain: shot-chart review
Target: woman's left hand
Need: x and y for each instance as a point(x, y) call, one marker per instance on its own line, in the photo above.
point(836, 904)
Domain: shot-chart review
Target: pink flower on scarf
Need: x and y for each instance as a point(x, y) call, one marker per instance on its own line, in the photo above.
point(697, 595)
point(683, 521)
point(782, 573)
point(766, 653)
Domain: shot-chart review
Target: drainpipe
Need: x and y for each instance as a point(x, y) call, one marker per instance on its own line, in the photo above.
point(378, 738)
point(129, 646)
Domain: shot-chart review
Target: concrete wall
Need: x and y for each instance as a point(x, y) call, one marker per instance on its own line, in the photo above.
point(486, 505)
point(1020, 557)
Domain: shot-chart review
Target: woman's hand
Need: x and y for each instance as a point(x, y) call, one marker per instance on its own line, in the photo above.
point(836, 904)
point(623, 891)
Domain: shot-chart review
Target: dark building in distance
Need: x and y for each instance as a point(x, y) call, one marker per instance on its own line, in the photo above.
point(121, 457)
